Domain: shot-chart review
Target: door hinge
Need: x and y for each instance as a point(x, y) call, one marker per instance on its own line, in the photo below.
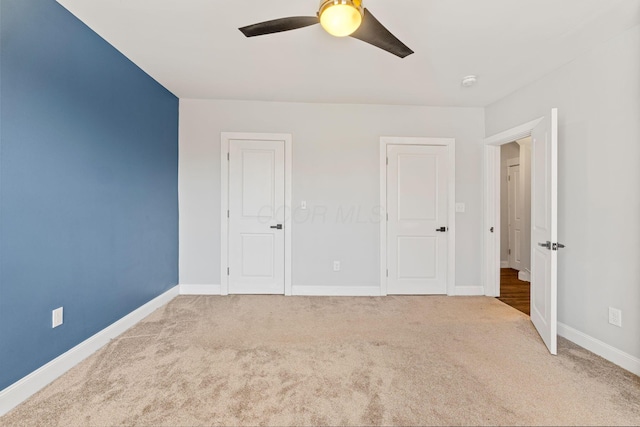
point(509, 178)
point(509, 251)
point(228, 214)
point(387, 161)
point(227, 271)
point(228, 157)
point(387, 272)
point(387, 216)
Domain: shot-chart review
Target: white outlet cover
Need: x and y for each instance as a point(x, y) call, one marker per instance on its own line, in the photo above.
point(57, 317)
point(303, 205)
point(460, 207)
point(615, 316)
point(336, 265)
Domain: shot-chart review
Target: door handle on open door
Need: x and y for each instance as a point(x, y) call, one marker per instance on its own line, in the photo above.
point(279, 226)
point(545, 245)
point(441, 229)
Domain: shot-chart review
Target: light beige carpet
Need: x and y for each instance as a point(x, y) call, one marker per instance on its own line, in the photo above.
point(271, 360)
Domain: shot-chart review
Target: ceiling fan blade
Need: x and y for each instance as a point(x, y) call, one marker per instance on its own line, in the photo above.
point(279, 25)
point(373, 32)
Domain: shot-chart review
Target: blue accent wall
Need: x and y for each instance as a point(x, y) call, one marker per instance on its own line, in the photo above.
point(88, 185)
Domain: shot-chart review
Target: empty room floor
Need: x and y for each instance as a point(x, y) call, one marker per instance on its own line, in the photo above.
point(274, 360)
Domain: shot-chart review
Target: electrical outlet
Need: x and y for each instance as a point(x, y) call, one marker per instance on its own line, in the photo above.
point(615, 316)
point(303, 205)
point(460, 207)
point(336, 265)
point(56, 317)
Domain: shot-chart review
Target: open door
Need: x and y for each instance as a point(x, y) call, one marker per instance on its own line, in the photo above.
point(544, 229)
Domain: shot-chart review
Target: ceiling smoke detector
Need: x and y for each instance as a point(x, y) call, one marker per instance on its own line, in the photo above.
point(469, 81)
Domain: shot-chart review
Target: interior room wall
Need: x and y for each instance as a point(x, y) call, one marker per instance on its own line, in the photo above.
point(598, 97)
point(507, 152)
point(335, 170)
point(88, 185)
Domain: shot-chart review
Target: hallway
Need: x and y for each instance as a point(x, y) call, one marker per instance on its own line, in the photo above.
point(514, 292)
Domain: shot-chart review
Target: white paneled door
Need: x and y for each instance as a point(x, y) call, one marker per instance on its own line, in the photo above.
point(544, 229)
point(417, 204)
point(256, 217)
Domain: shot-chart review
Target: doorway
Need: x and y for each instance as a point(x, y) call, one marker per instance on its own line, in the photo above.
point(515, 228)
point(544, 243)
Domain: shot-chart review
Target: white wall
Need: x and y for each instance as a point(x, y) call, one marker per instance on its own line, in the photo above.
point(598, 97)
point(336, 170)
point(507, 152)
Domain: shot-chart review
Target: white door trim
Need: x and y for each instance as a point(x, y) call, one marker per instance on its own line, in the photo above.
point(510, 163)
point(225, 138)
point(451, 234)
point(492, 166)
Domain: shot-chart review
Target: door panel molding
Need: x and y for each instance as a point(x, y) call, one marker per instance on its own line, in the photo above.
point(225, 139)
point(448, 142)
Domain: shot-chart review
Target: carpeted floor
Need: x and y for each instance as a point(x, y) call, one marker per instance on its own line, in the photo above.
point(273, 360)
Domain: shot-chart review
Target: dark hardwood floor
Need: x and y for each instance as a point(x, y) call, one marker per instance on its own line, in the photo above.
point(514, 292)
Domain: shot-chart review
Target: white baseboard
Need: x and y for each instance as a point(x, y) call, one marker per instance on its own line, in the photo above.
point(504, 264)
point(22, 389)
point(341, 291)
point(469, 290)
point(200, 290)
point(602, 349)
point(525, 276)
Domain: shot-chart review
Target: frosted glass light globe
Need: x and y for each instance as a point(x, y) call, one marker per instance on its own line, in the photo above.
point(340, 19)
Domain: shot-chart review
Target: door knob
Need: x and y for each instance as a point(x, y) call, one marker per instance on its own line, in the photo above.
point(441, 229)
point(279, 226)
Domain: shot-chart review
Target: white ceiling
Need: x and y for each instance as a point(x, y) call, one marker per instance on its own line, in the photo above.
point(194, 48)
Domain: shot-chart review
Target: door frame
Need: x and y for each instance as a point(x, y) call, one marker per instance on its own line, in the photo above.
point(225, 139)
point(512, 162)
point(491, 253)
point(451, 234)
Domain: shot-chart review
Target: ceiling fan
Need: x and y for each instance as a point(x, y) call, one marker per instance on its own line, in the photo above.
point(339, 18)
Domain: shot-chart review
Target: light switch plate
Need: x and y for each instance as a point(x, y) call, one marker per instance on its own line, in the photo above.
point(56, 317)
point(460, 207)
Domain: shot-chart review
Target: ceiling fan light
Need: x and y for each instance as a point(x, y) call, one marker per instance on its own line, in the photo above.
point(340, 18)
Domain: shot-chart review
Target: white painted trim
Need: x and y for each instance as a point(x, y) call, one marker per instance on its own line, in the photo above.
point(451, 262)
point(524, 275)
point(491, 233)
point(504, 264)
point(383, 218)
point(469, 290)
point(225, 137)
point(602, 349)
point(200, 290)
point(491, 264)
point(22, 389)
point(341, 291)
point(513, 134)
